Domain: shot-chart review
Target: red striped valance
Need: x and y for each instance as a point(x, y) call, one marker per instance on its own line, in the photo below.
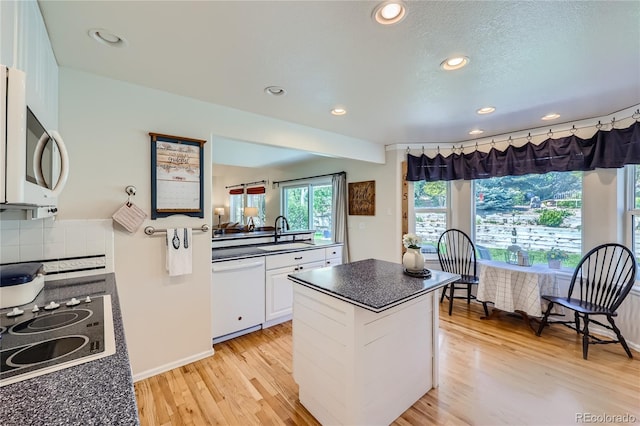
point(236, 191)
point(256, 190)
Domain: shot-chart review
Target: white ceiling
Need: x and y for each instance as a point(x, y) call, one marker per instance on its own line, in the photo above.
point(529, 58)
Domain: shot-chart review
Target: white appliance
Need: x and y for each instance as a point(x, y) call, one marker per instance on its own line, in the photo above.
point(34, 160)
point(237, 297)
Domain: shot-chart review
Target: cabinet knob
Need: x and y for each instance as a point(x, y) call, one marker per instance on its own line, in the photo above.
point(239, 318)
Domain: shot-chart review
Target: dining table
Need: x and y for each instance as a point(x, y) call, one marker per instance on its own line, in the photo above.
point(515, 288)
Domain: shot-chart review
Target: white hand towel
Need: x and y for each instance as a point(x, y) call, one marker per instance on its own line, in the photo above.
point(179, 251)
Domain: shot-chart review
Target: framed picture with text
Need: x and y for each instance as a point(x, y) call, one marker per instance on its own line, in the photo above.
point(362, 198)
point(176, 176)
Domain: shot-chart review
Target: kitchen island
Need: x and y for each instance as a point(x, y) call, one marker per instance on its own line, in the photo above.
point(98, 392)
point(365, 340)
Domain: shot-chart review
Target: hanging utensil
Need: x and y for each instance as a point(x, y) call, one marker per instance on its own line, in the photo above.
point(186, 238)
point(175, 240)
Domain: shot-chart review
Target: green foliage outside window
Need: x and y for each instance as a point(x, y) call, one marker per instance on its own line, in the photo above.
point(553, 218)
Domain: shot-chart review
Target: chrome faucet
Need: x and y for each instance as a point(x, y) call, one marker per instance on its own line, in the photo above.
point(275, 225)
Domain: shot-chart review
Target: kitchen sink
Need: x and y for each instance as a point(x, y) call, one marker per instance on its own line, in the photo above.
point(285, 246)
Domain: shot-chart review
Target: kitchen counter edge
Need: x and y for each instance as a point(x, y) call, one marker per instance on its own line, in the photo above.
point(245, 252)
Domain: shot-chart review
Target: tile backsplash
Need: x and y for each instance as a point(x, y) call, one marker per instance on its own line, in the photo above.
point(29, 240)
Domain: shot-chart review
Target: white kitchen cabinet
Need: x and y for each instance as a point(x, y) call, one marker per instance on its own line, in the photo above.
point(25, 45)
point(279, 289)
point(238, 297)
point(333, 256)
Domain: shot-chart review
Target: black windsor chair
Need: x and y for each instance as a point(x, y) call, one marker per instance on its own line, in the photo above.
point(599, 285)
point(457, 255)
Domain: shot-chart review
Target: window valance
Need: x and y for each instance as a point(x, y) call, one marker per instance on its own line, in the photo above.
point(605, 149)
point(256, 190)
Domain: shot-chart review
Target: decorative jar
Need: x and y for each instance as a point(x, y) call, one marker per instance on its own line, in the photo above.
point(413, 260)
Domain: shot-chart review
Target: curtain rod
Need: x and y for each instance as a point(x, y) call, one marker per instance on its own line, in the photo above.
point(246, 184)
point(278, 182)
point(538, 131)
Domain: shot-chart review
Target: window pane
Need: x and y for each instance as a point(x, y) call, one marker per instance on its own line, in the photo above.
point(534, 212)
point(430, 194)
point(296, 207)
point(257, 200)
point(636, 238)
point(236, 207)
point(322, 202)
point(636, 186)
point(429, 227)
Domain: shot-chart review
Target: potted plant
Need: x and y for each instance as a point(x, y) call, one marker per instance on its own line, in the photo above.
point(555, 256)
point(413, 260)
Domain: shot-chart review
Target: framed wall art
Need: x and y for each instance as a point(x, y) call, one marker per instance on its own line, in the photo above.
point(176, 176)
point(362, 198)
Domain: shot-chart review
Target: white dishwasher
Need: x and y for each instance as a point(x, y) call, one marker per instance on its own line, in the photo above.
point(237, 293)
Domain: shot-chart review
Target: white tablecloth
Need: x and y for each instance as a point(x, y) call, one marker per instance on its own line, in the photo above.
point(516, 288)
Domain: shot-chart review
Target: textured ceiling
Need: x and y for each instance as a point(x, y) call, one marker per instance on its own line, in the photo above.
point(579, 59)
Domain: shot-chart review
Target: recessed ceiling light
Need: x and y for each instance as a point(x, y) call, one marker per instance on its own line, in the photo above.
point(486, 110)
point(454, 63)
point(389, 12)
point(275, 90)
point(338, 111)
point(551, 116)
point(476, 132)
point(107, 38)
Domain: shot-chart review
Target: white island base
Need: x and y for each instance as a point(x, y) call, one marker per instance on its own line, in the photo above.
point(358, 367)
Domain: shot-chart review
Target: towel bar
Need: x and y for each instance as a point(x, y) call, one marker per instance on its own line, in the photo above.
point(150, 230)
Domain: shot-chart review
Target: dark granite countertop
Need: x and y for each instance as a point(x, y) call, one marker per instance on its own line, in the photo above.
point(242, 252)
point(98, 392)
point(372, 284)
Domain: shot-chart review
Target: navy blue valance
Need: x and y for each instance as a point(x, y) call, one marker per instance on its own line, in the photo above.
point(605, 149)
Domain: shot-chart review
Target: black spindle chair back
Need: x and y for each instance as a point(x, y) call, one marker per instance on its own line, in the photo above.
point(457, 255)
point(601, 282)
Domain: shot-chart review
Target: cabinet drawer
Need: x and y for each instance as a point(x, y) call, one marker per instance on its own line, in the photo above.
point(333, 252)
point(294, 258)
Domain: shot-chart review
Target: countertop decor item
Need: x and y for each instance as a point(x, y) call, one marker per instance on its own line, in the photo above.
point(412, 259)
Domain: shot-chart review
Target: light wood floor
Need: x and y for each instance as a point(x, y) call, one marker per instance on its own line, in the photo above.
point(492, 372)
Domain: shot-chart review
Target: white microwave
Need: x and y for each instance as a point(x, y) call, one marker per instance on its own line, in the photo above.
point(35, 161)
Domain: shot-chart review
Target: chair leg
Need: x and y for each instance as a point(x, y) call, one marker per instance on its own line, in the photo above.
point(486, 311)
point(543, 323)
point(468, 294)
point(585, 337)
point(451, 290)
point(620, 338)
point(444, 292)
point(577, 320)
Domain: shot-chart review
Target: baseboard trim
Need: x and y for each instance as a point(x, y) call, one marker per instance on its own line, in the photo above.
point(166, 367)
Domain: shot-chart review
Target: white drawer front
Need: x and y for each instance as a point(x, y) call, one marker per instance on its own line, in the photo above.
point(333, 252)
point(294, 258)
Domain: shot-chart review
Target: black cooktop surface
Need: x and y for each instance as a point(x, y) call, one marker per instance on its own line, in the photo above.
point(40, 340)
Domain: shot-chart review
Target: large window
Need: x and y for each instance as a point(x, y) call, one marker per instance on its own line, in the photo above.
point(533, 213)
point(633, 205)
point(309, 206)
point(238, 200)
point(430, 208)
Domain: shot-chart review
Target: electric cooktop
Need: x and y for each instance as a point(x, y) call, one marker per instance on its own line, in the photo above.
point(41, 339)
